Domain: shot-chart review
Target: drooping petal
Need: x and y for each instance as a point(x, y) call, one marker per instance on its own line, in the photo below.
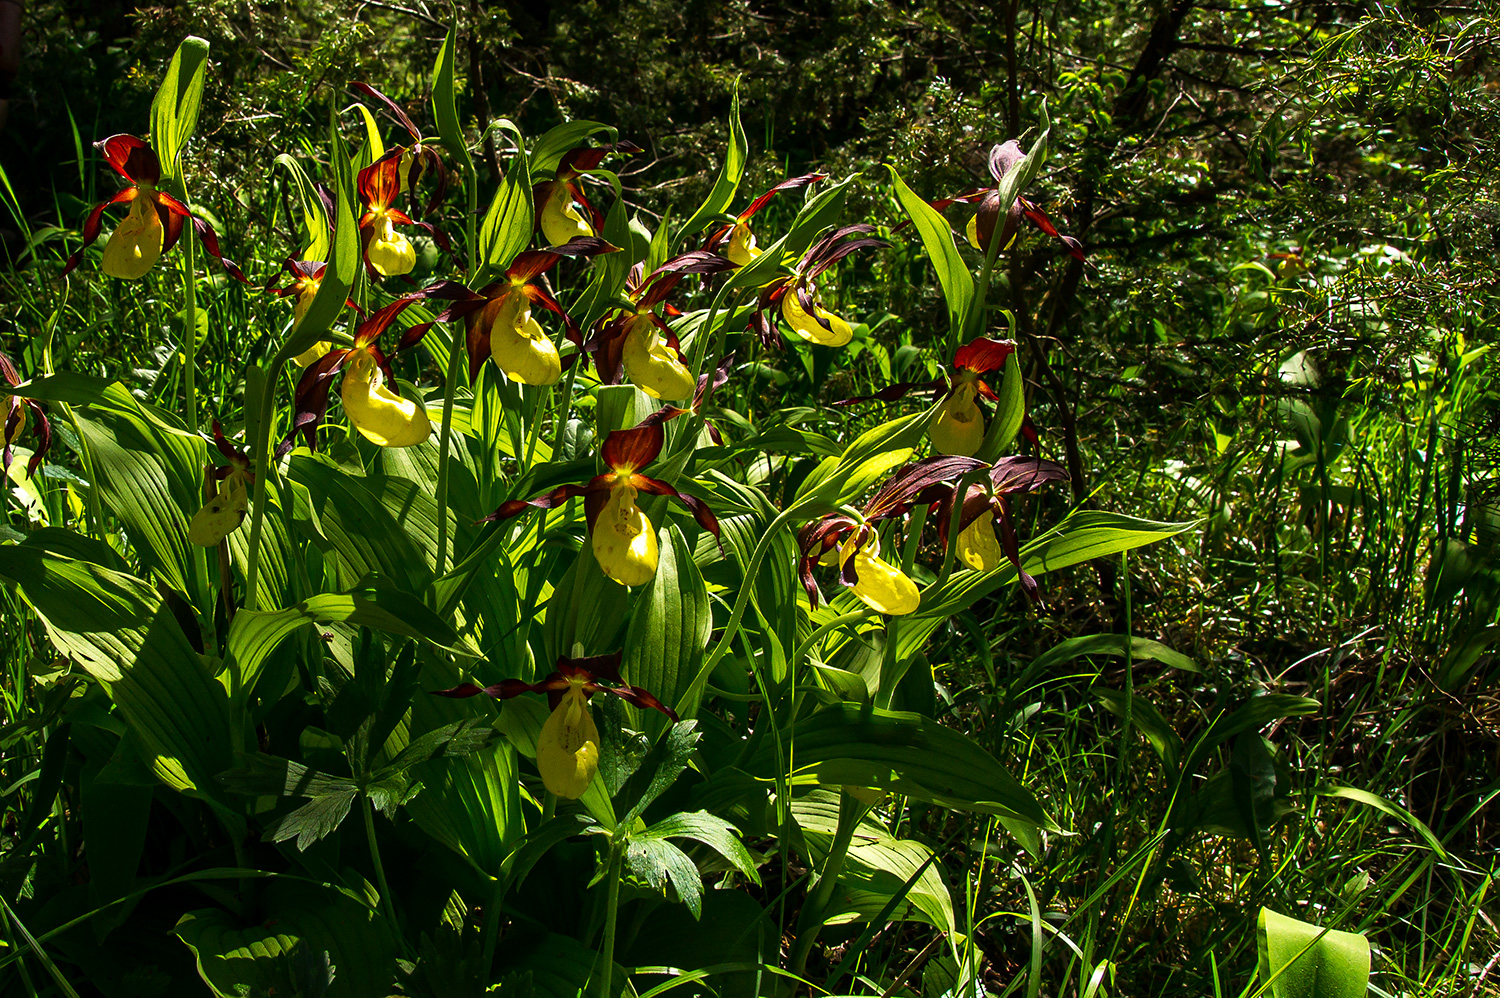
point(624, 541)
point(381, 416)
point(94, 223)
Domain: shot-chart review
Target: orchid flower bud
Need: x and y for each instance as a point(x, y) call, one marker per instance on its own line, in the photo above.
point(959, 428)
point(519, 347)
point(567, 750)
point(561, 220)
point(381, 416)
point(808, 328)
point(624, 540)
point(221, 515)
point(978, 547)
point(653, 365)
point(136, 243)
point(389, 251)
point(742, 249)
point(882, 586)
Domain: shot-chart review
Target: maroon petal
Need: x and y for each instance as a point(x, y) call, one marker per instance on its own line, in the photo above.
point(94, 223)
point(785, 185)
point(634, 448)
point(984, 355)
point(131, 158)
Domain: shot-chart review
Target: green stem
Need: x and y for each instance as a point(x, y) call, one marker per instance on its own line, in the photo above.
point(456, 364)
point(190, 336)
point(262, 464)
point(491, 925)
point(811, 921)
point(367, 808)
point(611, 916)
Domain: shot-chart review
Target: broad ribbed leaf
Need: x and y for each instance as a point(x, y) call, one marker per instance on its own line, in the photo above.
point(669, 628)
point(445, 106)
point(937, 239)
point(847, 744)
point(876, 869)
point(358, 526)
point(116, 627)
point(728, 182)
point(297, 929)
point(343, 256)
point(1009, 413)
point(508, 223)
point(1299, 960)
point(174, 112)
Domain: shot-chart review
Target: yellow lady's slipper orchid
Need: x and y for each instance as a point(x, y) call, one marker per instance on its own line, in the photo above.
point(560, 219)
point(221, 515)
point(742, 249)
point(882, 586)
point(136, 243)
point(567, 750)
point(518, 345)
point(155, 221)
point(977, 545)
point(14, 419)
point(838, 332)
point(387, 252)
point(651, 362)
point(959, 428)
point(982, 225)
point(624, 541)
point(380, 415)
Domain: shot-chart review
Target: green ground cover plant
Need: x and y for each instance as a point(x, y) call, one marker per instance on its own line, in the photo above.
point(1025, 529)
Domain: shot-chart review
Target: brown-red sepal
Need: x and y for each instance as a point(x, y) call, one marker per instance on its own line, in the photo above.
point(94, 223)
point(894, 392)
point(632, 449)
point(785, 185)
point(310, 397)
point(131, 158)
point(983, 355)
point(547, 500)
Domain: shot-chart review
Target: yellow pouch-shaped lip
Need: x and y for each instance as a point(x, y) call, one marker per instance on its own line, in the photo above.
point(653, 365)
point(520, 347)
point(389, 251)
point(135, 245)
point(380, 415)
point(221, 515)
point(883, 587)
point(561, 219)
point(806, 327)
point(742, 248)
point(567, 751)
point(624, 541)
point(959, 428)
point(978, 547)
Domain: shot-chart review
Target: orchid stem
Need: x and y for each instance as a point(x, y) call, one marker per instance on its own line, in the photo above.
point(611, 915)
point(190, 331)
point(456, 362)
point(851, 810)
point(367, 807)
point(262, 464)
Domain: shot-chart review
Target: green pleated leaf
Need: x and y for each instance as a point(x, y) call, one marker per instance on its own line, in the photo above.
point(877, 869)
point(315, 220)
point(1081, 536)
point(301, 932)
point(937, 239)
point(735, 157)
point(174, 112)
point(355, 523)
point(869, 458)
point(149, 473)
point(445, 106)
point(343, 256)
point(1299, 960)
point(847, 744)
point(1009, 413)
point(255, 634)
point(669, 628)
point(117, 629)
point(508, 223)
point(586, 611)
